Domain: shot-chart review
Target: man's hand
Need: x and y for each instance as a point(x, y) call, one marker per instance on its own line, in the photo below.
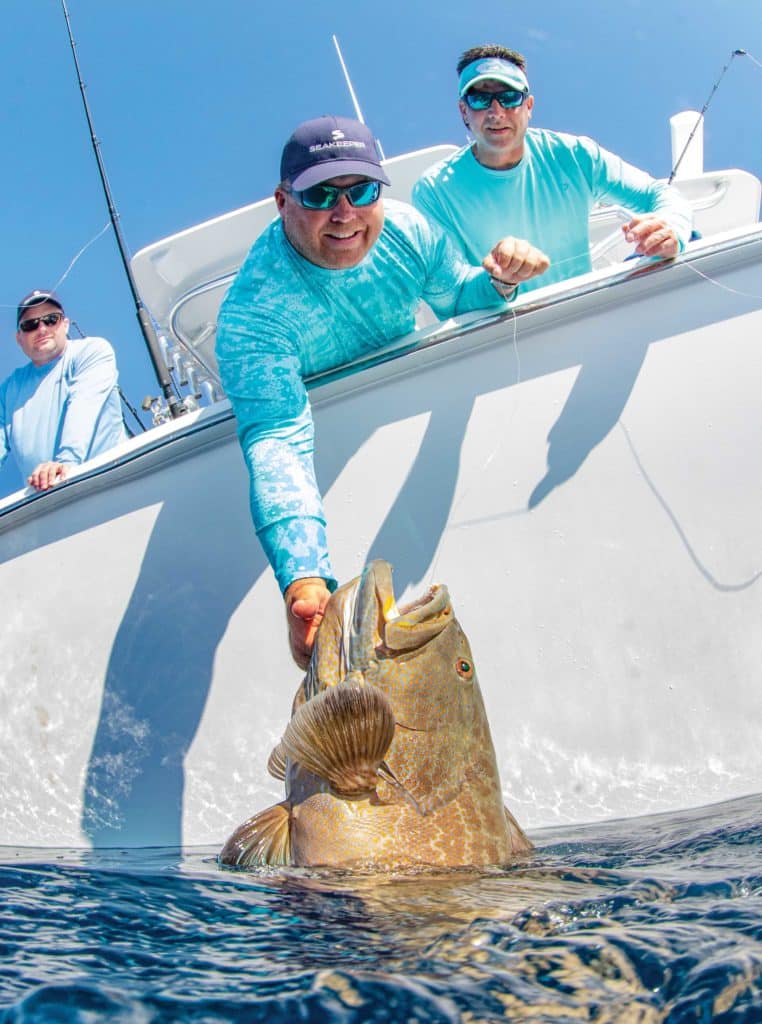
point(651, 236)
point(305, 605)
point(47, 475)
point(514, 260)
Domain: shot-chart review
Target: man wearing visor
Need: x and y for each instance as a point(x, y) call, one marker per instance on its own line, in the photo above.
point(63, 406)
point(534, 185)
point(338, 275)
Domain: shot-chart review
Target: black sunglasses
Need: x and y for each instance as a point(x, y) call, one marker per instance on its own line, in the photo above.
point(325, 197)
point(50, 320)
point(478, 99)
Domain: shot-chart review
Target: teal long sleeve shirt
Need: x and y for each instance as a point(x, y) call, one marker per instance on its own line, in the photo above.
point(546, 199)
point(284, 319)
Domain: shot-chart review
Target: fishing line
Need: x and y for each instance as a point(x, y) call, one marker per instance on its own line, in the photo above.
point(62, 278)
point(718, 284)
point(84, 249)
point(492, 454)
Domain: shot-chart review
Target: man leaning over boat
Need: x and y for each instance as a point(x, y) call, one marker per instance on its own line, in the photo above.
point(63, 406)
point(534, 185)
point(338, 275)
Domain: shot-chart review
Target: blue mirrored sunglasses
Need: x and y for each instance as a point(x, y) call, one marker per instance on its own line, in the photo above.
point(325, 197)
point(478, 99)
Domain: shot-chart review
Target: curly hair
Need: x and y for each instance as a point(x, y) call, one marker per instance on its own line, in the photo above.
point(480, 52)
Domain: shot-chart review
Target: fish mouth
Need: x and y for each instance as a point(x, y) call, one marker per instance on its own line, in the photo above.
point(377, 627)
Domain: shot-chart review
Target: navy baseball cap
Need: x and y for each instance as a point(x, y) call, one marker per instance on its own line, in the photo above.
point(327, 147)
point(36, 298)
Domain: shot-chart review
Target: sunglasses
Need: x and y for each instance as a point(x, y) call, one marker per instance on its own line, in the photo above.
point(478, 99)
point(325, 197)
point(50, 320)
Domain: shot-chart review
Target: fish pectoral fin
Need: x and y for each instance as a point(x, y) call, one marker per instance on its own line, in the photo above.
point(520, 842)
point(342, 735)
point(276, 763)
point(264, 839)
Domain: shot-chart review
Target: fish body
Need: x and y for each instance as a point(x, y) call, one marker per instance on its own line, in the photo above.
point(388, 759)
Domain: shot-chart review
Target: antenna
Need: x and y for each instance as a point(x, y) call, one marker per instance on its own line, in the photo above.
point(144, 320)
point(734, 54)
point(355, 103)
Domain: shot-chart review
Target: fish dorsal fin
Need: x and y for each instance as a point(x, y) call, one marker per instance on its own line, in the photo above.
point(348, 613)
point(264, 839)
point(276, 764)
point(373, 604)
point(342, 735)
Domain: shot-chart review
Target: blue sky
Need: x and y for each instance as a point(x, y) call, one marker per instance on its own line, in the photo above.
point(192, 104)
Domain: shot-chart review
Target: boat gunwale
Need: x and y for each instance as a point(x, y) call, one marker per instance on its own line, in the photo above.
point(217, 421)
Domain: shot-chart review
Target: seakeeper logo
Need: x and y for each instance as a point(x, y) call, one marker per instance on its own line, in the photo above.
point(337, 144)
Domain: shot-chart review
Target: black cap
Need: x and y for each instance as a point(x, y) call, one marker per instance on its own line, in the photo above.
point(328, 147)
point(36, 298)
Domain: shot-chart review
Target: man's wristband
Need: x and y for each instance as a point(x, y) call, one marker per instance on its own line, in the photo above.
point(506, 289)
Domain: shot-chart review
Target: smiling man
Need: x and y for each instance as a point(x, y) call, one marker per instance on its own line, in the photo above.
point(338, 275)
point(63, 407)
point(534, 185)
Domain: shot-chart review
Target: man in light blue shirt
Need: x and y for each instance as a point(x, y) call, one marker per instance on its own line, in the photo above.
point(534, 185)
point(337, 276)
point(62, 407)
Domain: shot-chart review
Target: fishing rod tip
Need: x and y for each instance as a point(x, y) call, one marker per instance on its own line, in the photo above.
point(739, 53)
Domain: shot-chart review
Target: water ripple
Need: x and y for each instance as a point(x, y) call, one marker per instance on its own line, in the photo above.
point(656, 919)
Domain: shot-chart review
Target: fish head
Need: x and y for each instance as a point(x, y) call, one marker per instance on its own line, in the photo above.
point(418, 656)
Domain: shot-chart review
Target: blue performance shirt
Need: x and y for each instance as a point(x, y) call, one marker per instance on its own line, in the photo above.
point(65, 411)
point(546, 199)
point(284, 319)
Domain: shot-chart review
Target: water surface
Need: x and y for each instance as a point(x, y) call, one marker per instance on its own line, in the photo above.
point(651, 919)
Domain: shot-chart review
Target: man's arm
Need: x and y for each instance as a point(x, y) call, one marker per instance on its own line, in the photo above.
point(663, 222)
point(453, 286)
point(261, 374)
point(93, 378)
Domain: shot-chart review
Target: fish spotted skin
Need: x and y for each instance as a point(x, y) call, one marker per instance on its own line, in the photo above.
point(388, 759)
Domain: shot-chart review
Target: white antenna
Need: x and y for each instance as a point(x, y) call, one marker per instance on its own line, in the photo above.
point(355, 104)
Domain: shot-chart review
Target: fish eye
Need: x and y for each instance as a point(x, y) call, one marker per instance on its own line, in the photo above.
point(464, 668)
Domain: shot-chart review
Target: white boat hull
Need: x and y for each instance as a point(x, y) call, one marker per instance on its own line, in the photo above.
point(590, 492)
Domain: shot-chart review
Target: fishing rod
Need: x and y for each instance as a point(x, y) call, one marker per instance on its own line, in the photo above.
point(715, 87)
point(175, 406)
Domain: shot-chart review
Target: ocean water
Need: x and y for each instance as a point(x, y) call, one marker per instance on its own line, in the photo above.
point(650, 919)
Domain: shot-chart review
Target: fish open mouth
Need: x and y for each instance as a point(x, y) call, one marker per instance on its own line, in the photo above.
point(379, 627)
point(397, 611)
